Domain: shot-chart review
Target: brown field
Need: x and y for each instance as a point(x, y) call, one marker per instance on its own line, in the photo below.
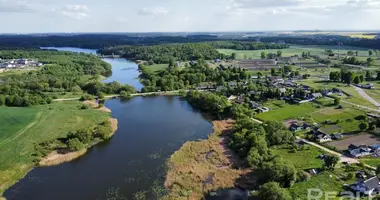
point(363, 139)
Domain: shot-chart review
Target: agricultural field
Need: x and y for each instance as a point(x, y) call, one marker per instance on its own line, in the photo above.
point(294, 50)
point(22, 128)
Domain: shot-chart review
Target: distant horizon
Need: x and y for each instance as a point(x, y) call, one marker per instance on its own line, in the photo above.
point(201, 32)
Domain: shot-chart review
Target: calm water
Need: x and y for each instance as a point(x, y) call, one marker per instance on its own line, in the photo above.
point(123, 71)
point(134, 160)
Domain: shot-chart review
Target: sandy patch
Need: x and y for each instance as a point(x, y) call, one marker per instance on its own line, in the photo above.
point(93, 104)
point(55, 158)
point(114, 124)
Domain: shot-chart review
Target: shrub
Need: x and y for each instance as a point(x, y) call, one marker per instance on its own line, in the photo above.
point(86, 97)
point(361, 118)
point(84, 107)
point(75, 145)
point(303, 176)
point(125, 94)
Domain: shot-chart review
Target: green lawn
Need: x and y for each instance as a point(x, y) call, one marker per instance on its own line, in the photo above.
point(156, 67)
point(288, 112)
point(302, 159)
point(21, 128)
point(325, 181)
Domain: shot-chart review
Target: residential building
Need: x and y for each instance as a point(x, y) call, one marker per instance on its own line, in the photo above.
point(359, 151)
point(321, 137)
point(366, 187)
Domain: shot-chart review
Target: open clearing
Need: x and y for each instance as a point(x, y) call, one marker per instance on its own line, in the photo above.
point(22, 128)
point(288, 112)
point(362, 139)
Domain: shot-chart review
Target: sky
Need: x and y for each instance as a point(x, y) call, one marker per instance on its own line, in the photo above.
point(37, 16)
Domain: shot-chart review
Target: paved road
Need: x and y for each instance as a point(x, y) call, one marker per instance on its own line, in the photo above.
point(365, 95)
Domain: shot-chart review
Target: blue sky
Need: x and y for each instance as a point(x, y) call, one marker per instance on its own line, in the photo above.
point(26, 16)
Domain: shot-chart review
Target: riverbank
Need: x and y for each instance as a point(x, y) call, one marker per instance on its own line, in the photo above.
point(45, 122)
point(200, 167)
point(56, 158)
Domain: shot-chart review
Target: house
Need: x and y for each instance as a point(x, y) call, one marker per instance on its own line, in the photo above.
point(360, 175)
point(295, 127)
point(373, 115)
point(263, 109)
point(369, 86)
point(316, 95)
point(366, 187)
point(321, 137)
point(254, 105)
point(276, 80)
point(336, 136)
point(282, 90)
point(359, 151)
point(298, 127)
point(231, 98)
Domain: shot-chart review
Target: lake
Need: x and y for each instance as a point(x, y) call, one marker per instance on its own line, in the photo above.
point(132, 162)
point(123, 71)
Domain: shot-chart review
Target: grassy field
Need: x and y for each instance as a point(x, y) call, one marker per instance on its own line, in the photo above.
point(288, 112)
point(22, 128)
point(326, 181)
point(303, 159)
point(156, 67)
point(354, 96)
point(294, 50)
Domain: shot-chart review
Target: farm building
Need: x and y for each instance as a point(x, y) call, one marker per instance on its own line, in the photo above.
point(314, 66)
point(287, 60)
point(258, 64)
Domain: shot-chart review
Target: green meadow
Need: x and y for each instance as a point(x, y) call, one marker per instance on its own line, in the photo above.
point(22, 128)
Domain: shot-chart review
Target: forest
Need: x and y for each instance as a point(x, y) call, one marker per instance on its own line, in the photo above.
point(184, 51)
point(61, 72)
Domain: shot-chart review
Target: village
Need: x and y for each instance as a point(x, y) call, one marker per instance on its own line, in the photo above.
point(334, 117)
point(19, 63)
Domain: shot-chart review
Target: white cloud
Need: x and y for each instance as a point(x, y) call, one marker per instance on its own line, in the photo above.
point(184, 15)
point(15, 7)
point(153, 11)
point(75, 11)
point(267, 3)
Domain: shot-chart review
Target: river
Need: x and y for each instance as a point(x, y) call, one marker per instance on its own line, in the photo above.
point(133, 162)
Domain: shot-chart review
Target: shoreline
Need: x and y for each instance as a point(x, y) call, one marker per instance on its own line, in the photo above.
point(54, 159)
point(200, 167)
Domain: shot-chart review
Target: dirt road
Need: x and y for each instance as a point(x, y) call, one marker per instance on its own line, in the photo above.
point(365, 95)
